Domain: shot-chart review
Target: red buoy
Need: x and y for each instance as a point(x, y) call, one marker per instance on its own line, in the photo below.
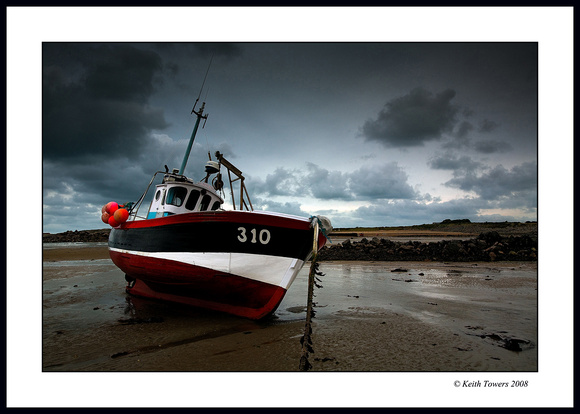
point(105, 218)
point(121, 215)
point(113, 222)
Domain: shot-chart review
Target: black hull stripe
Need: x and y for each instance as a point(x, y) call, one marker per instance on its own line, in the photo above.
point(215, 237)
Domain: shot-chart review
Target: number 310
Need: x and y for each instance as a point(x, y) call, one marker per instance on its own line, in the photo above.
point(263, 236)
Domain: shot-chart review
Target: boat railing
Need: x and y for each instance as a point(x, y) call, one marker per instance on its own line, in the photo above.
point(133, 213)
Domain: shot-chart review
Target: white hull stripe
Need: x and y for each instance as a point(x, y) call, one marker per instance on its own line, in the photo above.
point(274, 270)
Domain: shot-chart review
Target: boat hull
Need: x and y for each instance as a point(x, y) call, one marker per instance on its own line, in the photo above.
point(236, 262)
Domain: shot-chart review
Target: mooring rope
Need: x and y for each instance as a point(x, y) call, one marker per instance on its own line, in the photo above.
point(306, 340)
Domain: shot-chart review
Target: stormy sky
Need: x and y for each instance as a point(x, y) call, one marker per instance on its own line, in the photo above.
point(366, 133)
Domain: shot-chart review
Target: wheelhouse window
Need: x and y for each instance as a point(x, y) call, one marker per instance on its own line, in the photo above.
point(205, 202)
point(176, 196)
point(216, 205)
point(192, 200)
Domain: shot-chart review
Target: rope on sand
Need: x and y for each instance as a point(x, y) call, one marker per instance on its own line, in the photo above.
point(306, 340)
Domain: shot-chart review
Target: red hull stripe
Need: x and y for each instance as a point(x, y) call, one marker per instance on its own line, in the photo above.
point(243, 217)
point(198, 286)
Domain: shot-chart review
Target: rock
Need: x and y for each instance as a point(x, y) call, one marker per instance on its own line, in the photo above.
point(406, 247)
point(490, 237)
point(453, 248)
point(512, 345)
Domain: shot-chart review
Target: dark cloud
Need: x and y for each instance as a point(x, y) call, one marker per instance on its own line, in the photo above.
point(413, 119)
point(517, 186)
point(486, 126)
point(492, 146)
point(464, 129)
point(461, 141)
point(452, 162)
point(100, 107)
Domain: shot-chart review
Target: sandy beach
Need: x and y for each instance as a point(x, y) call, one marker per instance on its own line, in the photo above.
point(371, 317)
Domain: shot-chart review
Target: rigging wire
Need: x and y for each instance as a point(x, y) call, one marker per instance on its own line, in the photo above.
point(205, 77)
point(205, 99)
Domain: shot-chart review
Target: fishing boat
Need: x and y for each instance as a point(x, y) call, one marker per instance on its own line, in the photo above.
point(188, 249)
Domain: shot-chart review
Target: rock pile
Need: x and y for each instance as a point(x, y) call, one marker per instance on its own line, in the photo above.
point(82, 236)
point(489, 246)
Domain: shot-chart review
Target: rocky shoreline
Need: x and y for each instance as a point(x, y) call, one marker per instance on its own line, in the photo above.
point(488, 246)
point(83, 236)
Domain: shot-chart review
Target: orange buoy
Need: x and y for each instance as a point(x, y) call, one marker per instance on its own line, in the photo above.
point(113, 222)
point(104, 209)
point(121, 215)
point(105, 217)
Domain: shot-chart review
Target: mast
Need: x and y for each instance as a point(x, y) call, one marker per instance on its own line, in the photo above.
point(200, 116)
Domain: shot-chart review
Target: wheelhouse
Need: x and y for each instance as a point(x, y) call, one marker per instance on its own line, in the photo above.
point(178, 194)
point(183, 196)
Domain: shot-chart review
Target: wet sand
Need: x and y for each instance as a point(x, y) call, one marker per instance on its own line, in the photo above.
point(371, 317)
point(92, 251)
